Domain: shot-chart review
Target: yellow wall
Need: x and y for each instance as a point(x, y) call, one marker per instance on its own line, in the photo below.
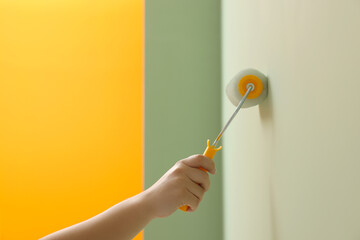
point(71, 104)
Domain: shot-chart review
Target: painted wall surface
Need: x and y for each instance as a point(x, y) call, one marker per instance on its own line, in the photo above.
point(182, 105)
point(292, 164)
point(71, 105)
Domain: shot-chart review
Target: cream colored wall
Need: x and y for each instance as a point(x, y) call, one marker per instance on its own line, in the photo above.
point(292, 165)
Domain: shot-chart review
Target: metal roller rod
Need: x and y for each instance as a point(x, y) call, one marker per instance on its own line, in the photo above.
point(232, 116)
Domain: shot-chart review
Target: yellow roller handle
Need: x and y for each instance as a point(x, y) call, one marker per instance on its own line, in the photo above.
point(210, 153)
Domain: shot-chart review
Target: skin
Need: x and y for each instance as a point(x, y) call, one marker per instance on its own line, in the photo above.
point(183, 184)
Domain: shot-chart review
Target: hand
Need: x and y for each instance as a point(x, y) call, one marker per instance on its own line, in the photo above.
point(183, 184)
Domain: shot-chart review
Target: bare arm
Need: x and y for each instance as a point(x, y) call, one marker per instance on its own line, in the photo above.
point(122, 221)
point(183, 184)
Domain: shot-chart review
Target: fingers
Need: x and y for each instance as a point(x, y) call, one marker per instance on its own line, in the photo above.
point(189, 194)
point(198, 176)
point(192, 201)
point(195, 180)
point(200, 161)
point(195, 189)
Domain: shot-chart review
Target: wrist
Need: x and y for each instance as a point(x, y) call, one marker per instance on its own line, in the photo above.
point(143, 201)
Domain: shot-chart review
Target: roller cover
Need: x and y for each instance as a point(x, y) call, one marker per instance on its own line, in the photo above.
point(232, 89)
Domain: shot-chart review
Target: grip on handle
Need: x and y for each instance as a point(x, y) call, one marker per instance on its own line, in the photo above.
point(210, 153)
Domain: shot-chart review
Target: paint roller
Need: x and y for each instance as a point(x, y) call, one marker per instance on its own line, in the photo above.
point(250, 85)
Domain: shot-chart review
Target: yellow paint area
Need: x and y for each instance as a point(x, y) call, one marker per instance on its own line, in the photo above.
point(71, 111)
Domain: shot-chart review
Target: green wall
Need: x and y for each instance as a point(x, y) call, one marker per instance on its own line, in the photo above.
point(182, 105)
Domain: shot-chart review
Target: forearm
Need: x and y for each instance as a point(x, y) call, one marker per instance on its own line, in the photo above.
point(121, 222)
point(184, 184)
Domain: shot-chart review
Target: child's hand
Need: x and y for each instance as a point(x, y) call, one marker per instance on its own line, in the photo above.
point(183, 184)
